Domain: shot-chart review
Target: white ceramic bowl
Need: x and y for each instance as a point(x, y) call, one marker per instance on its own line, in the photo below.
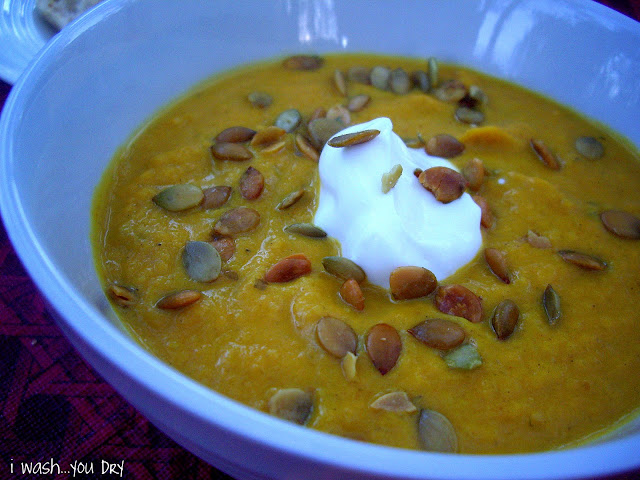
point(101, 77)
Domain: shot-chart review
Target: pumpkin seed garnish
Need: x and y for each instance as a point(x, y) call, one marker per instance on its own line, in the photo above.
point(439, 333)
point(305, 148)
point(289, 120)
point(551, 305)
point(303, 62)
point(450, 91)
point(292, 404)
point(339, 113)
point(348, 364)
point(340, 82)
point(322, 129)
point(390, 179)
point(358, 102)
point(444, 145)
point(235, 135)
point(179, 197)
point(537, 241)
point(288, 269)
point(380, 77)
point(359, 74)
point(180, 299)
point(477, 95)
point(399, 81)
point(436, 433)
point(216, 196)
point(394, 402)
point(582, 260)
point(355, 138)
point(421, 80)
point(469, 115)
point(122, 296)
point(267, 136)
point(384, 347)
point(352, 294)
point(306, 229)
point(621, 223)
point(498, 264)
point(290, 199)
point(589, 147)
point(465, 357)
point(410, 282)
point(260, 99)
point(336, 337)
point(231, 151)
point(202, 261)
point(343, 268)
point(433, 72)
point(237, 220)
point(545, 154)
point(505, 318)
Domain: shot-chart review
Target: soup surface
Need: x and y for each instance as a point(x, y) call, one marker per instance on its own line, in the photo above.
point(555, 366)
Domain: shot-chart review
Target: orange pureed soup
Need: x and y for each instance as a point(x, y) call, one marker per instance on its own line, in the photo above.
point(204, 238)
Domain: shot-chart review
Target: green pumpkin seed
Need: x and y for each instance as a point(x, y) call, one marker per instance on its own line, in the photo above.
point(436, 433)
point(451, 91)
point(465, 357)
point(306, 229)
point(432, 72)
point(290, 199)
point(551, 305)
point(289, 120)
point(322, 129)
point(343, 268)
point(179, 197)
point(292, 404)
point(399, 81)
point(359, 74)
point(477, 95)
point(621, 223)
point(469, 116)
point(260, 99)
point(380, 77)
point(202, 261)
point(589, 147)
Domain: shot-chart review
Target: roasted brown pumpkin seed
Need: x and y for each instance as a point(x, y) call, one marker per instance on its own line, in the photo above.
point(357, 103)
point(545, 154)
point(251, 184)
point(179, 197)
point(336, 337)
point(215, 197)
point(340, 82)
point(498, 264)
point(306, 229)
point(582, 260)
point(459, 301)
point(352, 294)
point(267, 136)
point(421, 80)
point(289, 120)
point(237, 220)
point(343, 268)
point(390, 179)
point(439, 333)
point(380, 77)
point(322, 129)
point(551, 305)
point(306, 149)
point(394, 402)
point(621, 223)
point(436, 433)
point(290, 199)
point(339, 113)
point(413, 142)
point(260, 99)
point(477, 95)
point(465, 357)
point(303, 62)
point(469, 116)
point(399, 81)
point(319, 112)
point(201, 261)
point(411, 282)
point(226, 246)
point(384, 347)
point(450, 91)
point(474, 172)
point(122, 296)
point(355, 138)
point(180, 299)
point(505, 318)
point(231, 151)
point(235, 135)
point(288, 269)
point(444, 183)
point(292, 404)
point(444, 145)
point(486, 217)
point(589, 147)
point(359, 74)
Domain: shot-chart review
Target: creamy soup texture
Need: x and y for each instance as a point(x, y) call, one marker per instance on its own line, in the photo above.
point(206, 241)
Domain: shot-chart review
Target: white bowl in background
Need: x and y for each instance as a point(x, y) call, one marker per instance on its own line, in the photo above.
point(106, 73)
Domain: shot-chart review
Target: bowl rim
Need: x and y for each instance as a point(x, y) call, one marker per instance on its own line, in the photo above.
point(90, 331)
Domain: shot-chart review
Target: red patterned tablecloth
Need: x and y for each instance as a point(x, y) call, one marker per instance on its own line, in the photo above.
point(55, 409)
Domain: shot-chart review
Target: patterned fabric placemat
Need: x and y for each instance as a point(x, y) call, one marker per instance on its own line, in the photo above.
point(57, 413)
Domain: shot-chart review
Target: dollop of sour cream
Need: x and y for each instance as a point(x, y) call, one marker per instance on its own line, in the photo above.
point(406, 226)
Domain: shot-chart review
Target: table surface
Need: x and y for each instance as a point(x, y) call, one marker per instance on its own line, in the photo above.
point(55, 408)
